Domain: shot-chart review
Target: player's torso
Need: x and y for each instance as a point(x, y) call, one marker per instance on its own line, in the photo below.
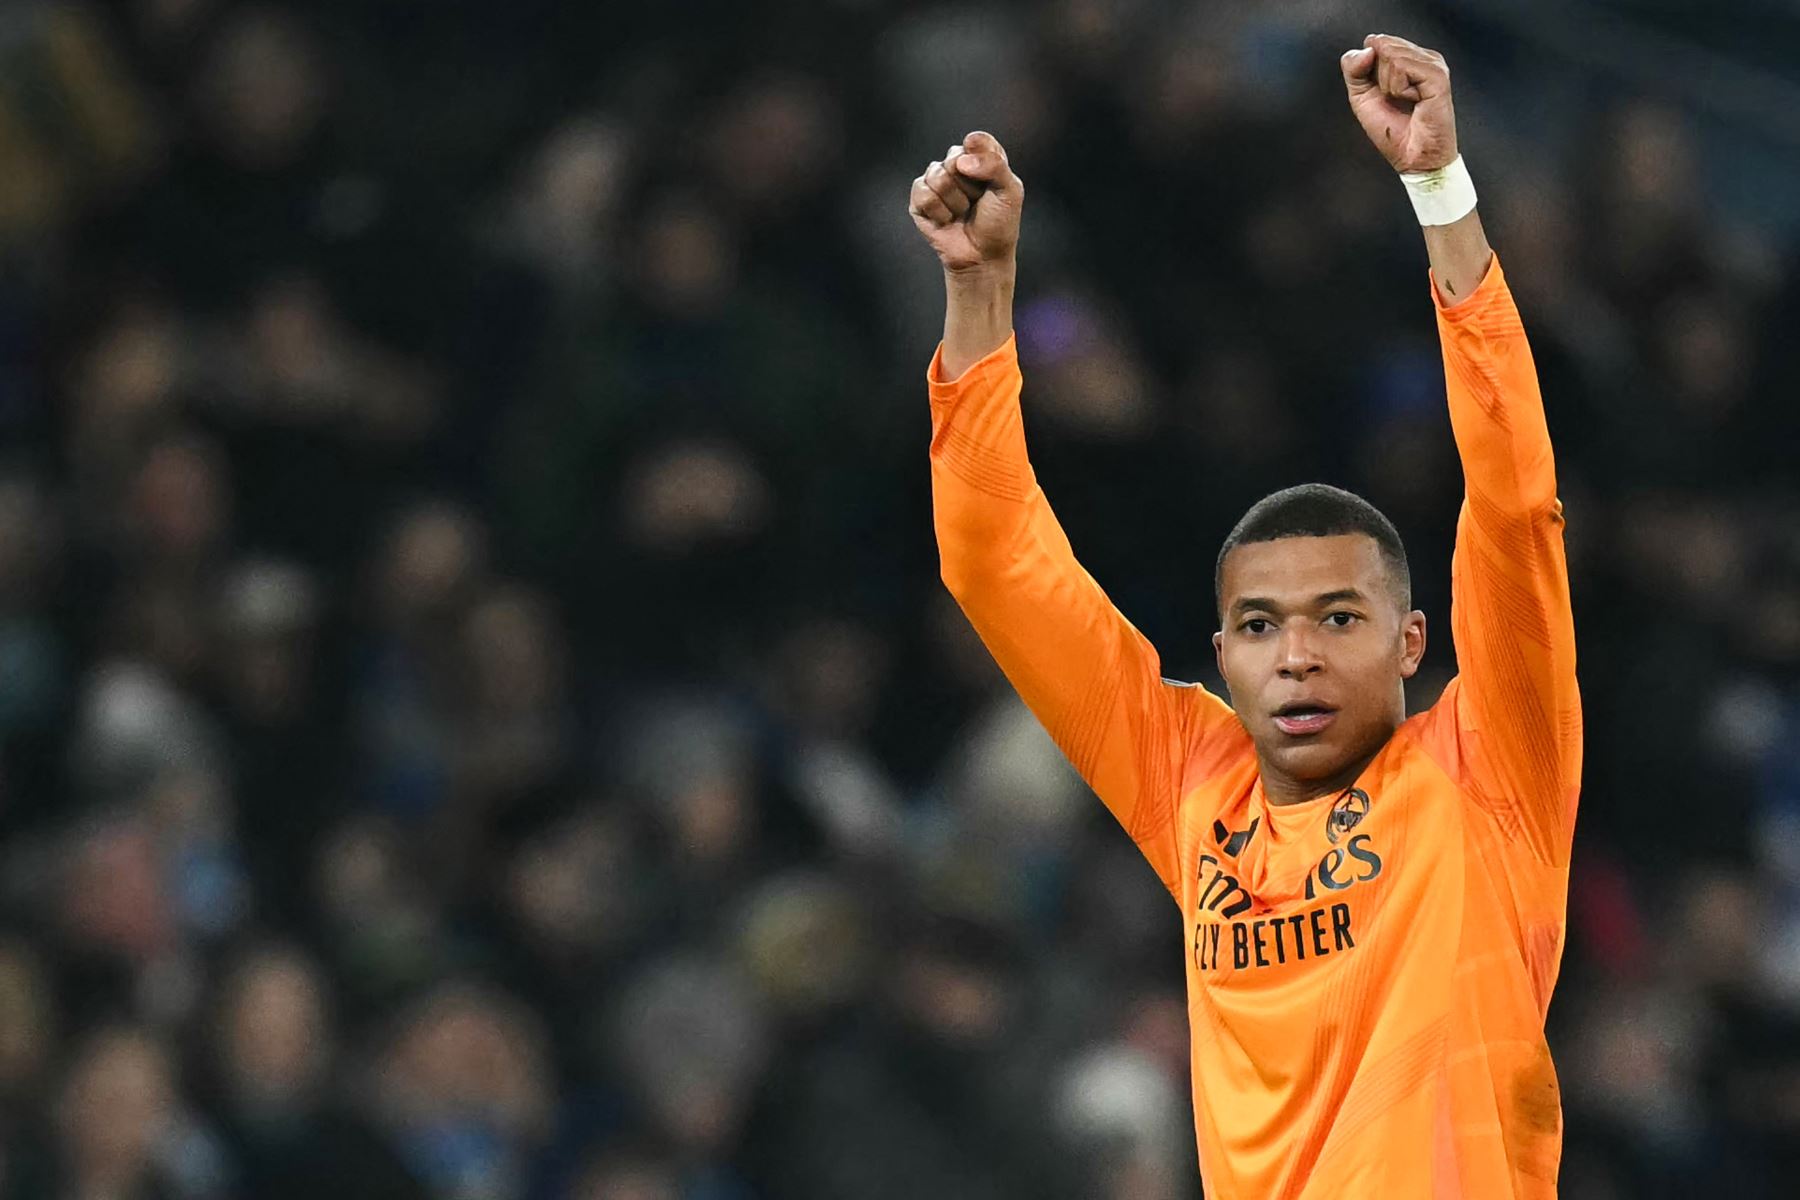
point(1325, 947)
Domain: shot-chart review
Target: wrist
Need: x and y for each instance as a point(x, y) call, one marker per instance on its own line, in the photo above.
point(1443, 196)
point(977, 314)
point(985, 268)
point(982, 276)
point(981, 295)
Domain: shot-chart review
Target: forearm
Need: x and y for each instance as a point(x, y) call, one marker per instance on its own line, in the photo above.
point(1460, 257)
point(978, 315)
point(1496, 409)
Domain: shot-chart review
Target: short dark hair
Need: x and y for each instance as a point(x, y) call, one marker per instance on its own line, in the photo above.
point(1317, 510)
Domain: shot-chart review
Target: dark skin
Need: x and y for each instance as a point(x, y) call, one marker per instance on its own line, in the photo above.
point(1316, 648)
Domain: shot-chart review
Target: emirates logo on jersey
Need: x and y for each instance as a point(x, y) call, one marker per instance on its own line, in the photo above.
point(1279, 938)
point(1346, 814)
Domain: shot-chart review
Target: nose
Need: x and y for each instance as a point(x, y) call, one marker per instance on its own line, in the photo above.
point(1299, 658)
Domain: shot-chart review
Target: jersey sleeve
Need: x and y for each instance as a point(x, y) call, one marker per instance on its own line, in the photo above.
point(1514, 711)
point(1088, 675)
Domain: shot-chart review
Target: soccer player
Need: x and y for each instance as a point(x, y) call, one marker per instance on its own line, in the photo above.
point(1373, 906)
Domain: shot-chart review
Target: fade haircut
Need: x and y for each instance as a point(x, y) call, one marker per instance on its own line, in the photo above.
point(1318, 510)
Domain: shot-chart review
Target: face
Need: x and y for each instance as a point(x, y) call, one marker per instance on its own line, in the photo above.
point(118, 1098)
point(275, 1032)
point(1315, 649)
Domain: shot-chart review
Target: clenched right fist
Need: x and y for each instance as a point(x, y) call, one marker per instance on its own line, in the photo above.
point(968, 204)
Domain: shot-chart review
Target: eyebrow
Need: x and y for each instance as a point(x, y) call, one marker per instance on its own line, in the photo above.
point(1249, 603)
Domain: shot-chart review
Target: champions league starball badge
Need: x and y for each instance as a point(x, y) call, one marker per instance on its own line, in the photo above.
point(1346, 814)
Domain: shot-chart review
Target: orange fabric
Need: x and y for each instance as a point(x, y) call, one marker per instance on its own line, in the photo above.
point(1368, 973)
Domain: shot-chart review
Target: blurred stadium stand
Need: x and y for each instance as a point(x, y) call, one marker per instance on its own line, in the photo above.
point(478, 716)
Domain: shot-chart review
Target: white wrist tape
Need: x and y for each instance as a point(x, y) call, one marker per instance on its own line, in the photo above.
point(1443, 196)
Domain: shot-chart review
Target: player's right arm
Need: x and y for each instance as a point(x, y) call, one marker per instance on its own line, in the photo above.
point(1092, 679)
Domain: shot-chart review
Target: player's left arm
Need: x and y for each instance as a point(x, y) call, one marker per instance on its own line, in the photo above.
point(1516, 708)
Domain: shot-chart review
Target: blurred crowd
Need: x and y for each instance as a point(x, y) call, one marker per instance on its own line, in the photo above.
point(479, 719)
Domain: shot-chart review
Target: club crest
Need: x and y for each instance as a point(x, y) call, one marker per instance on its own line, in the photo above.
point(1346, 814)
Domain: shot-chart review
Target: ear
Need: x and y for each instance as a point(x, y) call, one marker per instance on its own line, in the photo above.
point(1219, 651)
point(1412, 643)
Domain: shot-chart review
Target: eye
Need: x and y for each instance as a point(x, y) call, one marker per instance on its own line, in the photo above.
point(1255, 625)
point(1343, 620)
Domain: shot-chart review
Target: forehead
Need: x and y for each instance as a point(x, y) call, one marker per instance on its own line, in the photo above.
point(1293, 570)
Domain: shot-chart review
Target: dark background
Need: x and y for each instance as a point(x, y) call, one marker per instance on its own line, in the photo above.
point(478, 716)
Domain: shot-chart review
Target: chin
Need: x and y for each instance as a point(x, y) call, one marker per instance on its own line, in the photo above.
point(1317, 762)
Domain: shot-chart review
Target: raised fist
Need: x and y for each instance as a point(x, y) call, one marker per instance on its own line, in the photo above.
point(1401, 94)
point(968, 204)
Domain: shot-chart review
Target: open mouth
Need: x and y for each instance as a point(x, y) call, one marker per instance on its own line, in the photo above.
point(1304, 717)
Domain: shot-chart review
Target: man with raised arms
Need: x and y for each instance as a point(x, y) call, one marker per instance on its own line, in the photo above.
point(1373, 906)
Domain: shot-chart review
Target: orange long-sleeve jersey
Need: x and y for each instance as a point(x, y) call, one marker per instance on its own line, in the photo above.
point(1368, 972)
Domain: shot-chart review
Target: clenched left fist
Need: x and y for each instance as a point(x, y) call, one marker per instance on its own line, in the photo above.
point(1400, 93)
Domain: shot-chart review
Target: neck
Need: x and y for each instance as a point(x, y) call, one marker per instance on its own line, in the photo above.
point(1282, 788)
